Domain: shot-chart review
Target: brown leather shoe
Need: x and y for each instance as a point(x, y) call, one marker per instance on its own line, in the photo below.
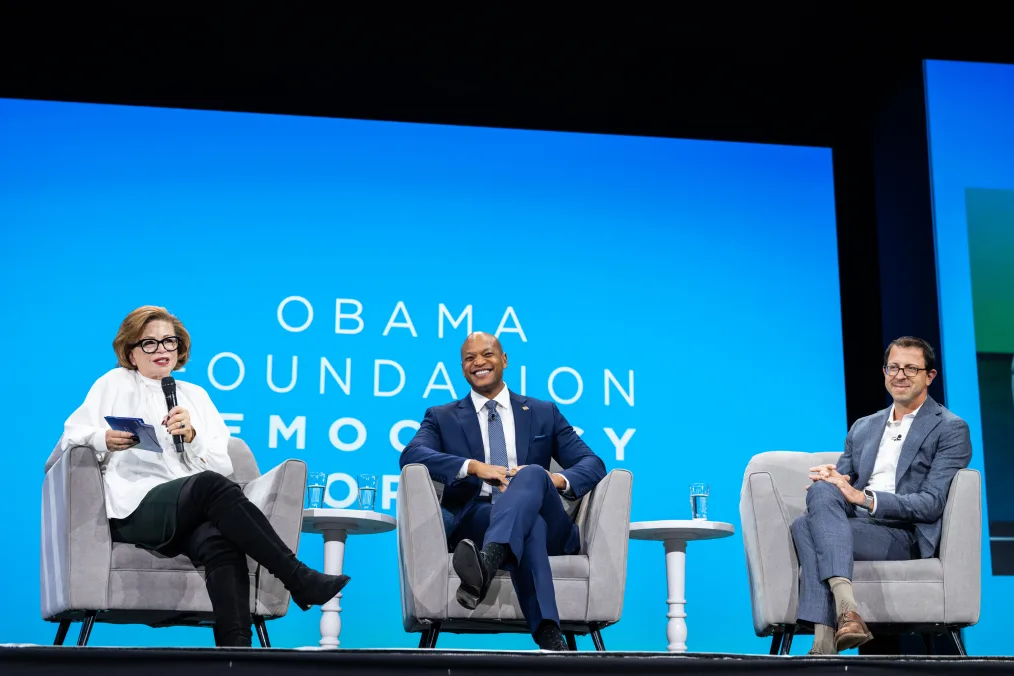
point(852, 631)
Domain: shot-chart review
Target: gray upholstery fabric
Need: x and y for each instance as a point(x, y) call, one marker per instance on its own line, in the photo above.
point(942, 590)
point(588, 585)
point(83, 570)
point(76, 545)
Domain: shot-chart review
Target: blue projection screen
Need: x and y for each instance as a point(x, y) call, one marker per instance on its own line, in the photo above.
point(970, 110)
point(679, 299)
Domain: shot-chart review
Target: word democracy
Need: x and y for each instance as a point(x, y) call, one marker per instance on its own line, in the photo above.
point(296, 427)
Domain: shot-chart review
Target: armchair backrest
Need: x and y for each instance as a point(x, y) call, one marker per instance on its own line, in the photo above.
point(244, 465)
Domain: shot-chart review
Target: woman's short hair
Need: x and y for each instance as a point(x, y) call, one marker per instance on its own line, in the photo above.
point(132, 330)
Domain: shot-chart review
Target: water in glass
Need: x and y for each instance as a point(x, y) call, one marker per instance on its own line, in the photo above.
point(367, 490)
point(699, 501)
point(315, 484)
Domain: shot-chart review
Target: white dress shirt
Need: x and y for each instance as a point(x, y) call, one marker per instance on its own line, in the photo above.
point(128, 475)
point(885, 468)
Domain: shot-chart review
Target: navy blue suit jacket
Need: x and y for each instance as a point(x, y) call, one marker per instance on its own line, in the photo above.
point(450, 433)
point(937, 446)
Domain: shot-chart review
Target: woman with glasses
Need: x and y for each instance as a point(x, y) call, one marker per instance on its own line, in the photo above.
point(176, 503)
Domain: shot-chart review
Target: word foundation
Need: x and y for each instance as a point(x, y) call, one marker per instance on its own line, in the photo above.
point(227, 371)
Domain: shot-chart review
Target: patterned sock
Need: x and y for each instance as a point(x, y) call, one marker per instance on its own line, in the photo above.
point(494, 553)
point(844, 601)
point(823, 639)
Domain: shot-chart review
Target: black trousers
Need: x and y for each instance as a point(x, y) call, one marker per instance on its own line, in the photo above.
point(202, 501)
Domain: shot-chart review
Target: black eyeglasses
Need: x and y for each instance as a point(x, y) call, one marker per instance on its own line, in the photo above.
point(910, 371)
point(150, 345)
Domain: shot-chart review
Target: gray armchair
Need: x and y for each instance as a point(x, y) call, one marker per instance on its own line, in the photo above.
point(87, 577)
point(589, 585)
point(925, 596)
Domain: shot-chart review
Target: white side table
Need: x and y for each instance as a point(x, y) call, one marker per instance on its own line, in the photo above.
point(335, 525)
point(675, 535)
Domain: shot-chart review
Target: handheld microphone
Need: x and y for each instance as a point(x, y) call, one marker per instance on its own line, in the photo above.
point(169, 390)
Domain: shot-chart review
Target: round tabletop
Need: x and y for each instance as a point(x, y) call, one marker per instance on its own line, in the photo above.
point(695, 529)
point(352, 521)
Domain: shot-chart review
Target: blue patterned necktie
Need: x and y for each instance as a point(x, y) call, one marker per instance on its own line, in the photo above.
point(497, 443)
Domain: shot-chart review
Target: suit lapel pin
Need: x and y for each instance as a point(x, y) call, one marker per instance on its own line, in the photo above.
point(524, 408)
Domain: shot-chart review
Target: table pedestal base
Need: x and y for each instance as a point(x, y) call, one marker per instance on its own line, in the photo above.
point(330, 612)
point(675, 577)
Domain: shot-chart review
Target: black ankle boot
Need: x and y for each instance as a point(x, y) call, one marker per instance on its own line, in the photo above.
point(229, 589)
point(245, 525)
point(549, 637)
point(311, 588)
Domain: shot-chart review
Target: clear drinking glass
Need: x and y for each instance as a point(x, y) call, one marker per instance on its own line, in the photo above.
point(367, 490)
point(315, 484)
point(699, 501)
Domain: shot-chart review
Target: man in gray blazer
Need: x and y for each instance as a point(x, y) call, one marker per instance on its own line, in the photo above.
point(883, 500)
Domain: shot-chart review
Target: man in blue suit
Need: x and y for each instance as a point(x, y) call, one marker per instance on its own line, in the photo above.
point(492, 451)
point(884, 499)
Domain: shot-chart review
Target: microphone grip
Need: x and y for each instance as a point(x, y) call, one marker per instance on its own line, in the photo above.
point(170, 402)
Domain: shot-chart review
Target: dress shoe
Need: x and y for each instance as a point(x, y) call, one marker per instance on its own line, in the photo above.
point(312, 588)
point(852, 631)
point(473, 570)
point(549, 637)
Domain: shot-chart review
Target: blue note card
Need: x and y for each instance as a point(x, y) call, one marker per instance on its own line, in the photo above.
point(141, 430)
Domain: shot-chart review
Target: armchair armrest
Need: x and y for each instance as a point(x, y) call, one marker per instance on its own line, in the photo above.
point(771, 563)
point(961, 548)
point(76, 551)
point(279, 494)
point(603, 520)
point(422, 549)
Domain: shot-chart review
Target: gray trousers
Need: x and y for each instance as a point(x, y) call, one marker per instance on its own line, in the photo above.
point(830, 537)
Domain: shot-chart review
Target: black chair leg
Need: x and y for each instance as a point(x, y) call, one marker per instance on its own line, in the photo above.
point(776, 643)
point(61, 632)
point(790, 631)
point(262, 631)
point(958, 643)
point(571, 641)
point(429, 636)
point(596, 635)
point(86, 628)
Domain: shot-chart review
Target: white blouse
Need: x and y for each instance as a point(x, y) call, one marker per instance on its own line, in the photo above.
point(128, 475)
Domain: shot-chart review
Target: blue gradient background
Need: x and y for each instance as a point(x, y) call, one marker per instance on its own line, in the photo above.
point(970, 110)
point(709, 269)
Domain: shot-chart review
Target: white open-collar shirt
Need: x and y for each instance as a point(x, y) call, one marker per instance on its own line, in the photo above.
point(885, 468)
point(128, 475)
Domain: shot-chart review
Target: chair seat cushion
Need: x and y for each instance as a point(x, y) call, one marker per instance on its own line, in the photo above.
point(919, 570)
point(132, 557)
point(900, 592)
point(570, 581)
point(575, 566)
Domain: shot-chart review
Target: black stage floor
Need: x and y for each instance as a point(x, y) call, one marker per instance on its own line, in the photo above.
point(36, 660)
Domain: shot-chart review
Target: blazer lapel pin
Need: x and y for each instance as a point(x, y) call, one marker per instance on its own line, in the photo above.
point(524, 408)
